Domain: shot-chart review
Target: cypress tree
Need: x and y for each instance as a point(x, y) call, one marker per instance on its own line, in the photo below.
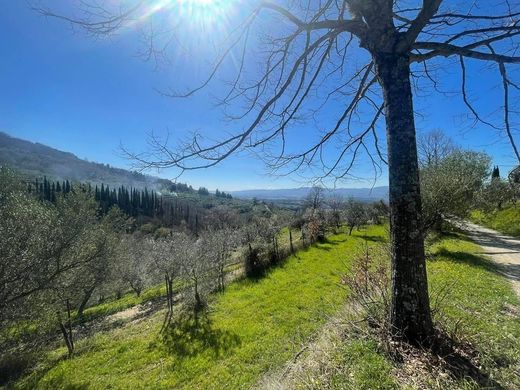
point(496, 173)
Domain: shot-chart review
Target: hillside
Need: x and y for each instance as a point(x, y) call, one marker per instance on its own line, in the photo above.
point(36, 160)
point(366, 194)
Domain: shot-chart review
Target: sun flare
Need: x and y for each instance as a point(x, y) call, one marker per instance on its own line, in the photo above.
point(203, 2)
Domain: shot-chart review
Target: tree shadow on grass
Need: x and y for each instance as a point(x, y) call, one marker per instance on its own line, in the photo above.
point(187, 336)
point(466, 258)
point(371, 238)
point(510, 271)
point(458, 358)
point(60, 382)
point(39, 372)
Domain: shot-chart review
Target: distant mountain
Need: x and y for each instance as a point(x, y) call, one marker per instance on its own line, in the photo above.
point(37, 160)
point(367, 194)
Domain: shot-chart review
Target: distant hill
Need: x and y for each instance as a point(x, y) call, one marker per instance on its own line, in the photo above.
point(37, 160)
point(366, 194)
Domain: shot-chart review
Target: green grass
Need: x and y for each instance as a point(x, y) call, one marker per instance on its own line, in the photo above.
point(128, 300)
point(506, 220)
point(482, 302)
point(475, 302)
point(253, 327)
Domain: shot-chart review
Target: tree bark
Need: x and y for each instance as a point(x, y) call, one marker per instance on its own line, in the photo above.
point(86, 297)
point(410, 315)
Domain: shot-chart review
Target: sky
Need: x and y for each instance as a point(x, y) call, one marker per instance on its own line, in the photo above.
point(90, 95)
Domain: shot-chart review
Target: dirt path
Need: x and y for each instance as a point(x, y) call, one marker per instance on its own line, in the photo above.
point(504, 250)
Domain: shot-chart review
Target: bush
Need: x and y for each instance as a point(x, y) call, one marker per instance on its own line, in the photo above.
point(254, 265)
point(369, 285)
point(13, 366)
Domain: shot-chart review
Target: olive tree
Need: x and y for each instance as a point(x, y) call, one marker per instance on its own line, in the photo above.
point(198, 271)
point(168, 255)
point(355, 214)
point(28, 263)
point(221, 243)
point(496, 193)
point(335, 204)
point(50, 249)
point(359, 54)
point(135, 263)
point(450, 186)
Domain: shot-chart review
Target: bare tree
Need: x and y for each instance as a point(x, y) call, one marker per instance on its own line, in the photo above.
point(433, 147)
point(314, 199)
point(317, 50)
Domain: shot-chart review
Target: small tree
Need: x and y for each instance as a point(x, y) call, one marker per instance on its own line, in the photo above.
point(495, 194)
point(222, 243)
point(197, 268)
point(335, 204)
point(314, 227)
point(315, 198)
point(450, 187)
point(85, 257)
point(168, 256)
point(135, 262)
point(355, 214)
point(251, 238)
point(103, 243)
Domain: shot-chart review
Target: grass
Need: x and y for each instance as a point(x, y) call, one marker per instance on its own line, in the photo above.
point(482, 302)
point(126, 301)
point(252, 328)
point(506, 220)
point(476, 304)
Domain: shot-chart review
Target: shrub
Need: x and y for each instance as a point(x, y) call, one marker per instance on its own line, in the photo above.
point(254, 266)
point(369, 285)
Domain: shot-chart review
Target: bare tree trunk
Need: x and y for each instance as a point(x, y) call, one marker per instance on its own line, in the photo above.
point(69, 322)
point(169, 297)
point(65, 335)
point(290, 240)
point(86, 298)
point(66, 329)
point(222, 275)
point(410, 310)
point(198, 300)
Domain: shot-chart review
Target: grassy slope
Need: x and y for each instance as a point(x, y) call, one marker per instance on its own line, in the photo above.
point(506, 220)
point(254, 326)
point(477, 299)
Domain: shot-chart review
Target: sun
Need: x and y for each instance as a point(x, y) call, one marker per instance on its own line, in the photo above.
point(208, 4)
point(203, 2)
point(198, 17)
point(207, 12)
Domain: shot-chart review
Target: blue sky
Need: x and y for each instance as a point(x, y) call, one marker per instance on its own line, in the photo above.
point(87, 96)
